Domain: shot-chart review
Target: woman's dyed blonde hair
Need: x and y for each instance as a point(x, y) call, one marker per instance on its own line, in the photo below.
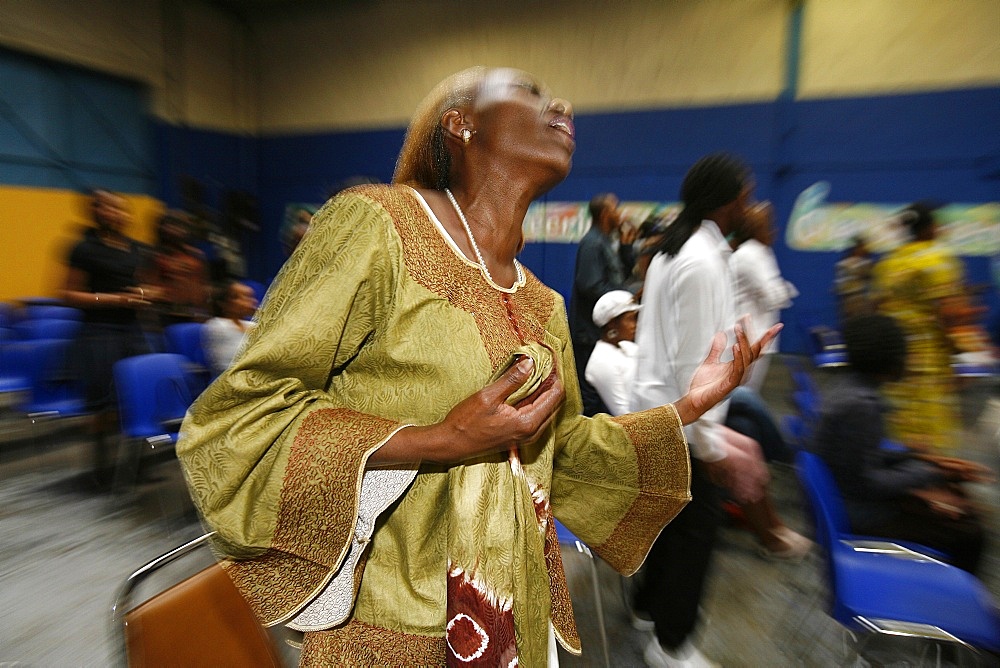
point(424, 160)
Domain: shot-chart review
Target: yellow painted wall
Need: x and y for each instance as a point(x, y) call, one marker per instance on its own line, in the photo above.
point(39, 226)
point(864, 47)
point(365, 65)
point(359, 65)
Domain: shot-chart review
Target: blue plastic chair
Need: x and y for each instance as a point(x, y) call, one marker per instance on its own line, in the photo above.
point(52, 312)
point(830, 359)
point(798, 433)
point(53, 392)
point(884, 587)
point(15, 384)
point(185, 339)
point(8, 315)
point(153, 396)
point(47, 328)
point(809, 406)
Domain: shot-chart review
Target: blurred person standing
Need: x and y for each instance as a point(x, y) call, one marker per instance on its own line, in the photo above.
point(107, 279)
point(761, 291)
point(181, 272)
point(920, 284)
point(687, 297)
point(852, 280)
point(643, 249)
point(223, 335)
point(599, 269)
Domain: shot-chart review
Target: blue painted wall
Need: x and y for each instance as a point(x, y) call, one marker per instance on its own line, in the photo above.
point(70, 128)
point(892, 149)
point(62, 127)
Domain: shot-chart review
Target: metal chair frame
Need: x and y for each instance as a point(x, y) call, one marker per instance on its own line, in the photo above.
point(259, 646)
point(567, 538)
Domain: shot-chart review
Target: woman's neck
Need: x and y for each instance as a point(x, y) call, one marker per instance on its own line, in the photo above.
point(496, 217)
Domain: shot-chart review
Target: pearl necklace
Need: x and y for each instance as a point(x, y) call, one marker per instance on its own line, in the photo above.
point(475, 247)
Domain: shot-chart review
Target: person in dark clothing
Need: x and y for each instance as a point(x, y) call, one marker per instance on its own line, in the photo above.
point(893, 492)
point(104, 279)
point(599, 270)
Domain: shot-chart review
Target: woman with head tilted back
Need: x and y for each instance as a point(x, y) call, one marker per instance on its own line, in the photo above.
point(384, 457)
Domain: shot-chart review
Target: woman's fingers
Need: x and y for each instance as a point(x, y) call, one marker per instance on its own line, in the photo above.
point(766, 339)
point(715, 351)
point(492, 424)
point(539, 413)
point(509, 382)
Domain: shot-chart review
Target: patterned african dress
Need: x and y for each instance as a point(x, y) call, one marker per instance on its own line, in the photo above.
point(376, 322)
point(909, 284)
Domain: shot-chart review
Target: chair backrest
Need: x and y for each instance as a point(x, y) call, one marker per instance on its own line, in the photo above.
point(8, 315)
point(48, 328)
point(15, 383)
point(50, 312)
point(185, 339)
point(153, 393)
point(798, 433)
point(808, 404)
point(824, 498)
point(44, 364)
point(201, 621)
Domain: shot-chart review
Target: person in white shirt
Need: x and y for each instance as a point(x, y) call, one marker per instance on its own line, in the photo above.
point(611, 368)
point(761, 291)
point(223, 335)
point(689, 296)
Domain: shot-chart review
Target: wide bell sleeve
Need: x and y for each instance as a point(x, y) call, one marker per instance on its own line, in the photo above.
point(273, 456)
point(616, 481)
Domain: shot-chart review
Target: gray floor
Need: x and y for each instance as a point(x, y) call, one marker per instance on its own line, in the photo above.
point(65, 549)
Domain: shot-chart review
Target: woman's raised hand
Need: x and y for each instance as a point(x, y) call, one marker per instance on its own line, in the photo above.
point(714, 379)
point(481, 424)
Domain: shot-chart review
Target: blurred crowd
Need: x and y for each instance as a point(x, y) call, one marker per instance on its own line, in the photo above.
point(648, 295)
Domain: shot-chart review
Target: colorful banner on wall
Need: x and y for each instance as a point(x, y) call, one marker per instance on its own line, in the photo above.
point(567, 222)
point(818, 225)
point(815, 225)
point(556, 222)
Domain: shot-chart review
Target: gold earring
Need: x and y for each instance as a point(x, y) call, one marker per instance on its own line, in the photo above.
point(466, 135)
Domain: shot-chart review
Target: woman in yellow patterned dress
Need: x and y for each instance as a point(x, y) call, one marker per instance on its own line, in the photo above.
point(384, 458)
point(920, 285)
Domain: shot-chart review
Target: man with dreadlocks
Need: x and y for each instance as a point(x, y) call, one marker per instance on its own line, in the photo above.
point(688, 295)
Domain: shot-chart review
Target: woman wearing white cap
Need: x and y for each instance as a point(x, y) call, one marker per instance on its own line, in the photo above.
point(612, 364)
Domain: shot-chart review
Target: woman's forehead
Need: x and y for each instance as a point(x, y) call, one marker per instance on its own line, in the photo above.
point(496, 83)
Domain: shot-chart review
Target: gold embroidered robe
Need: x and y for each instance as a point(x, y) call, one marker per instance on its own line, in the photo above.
point(376, 322)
